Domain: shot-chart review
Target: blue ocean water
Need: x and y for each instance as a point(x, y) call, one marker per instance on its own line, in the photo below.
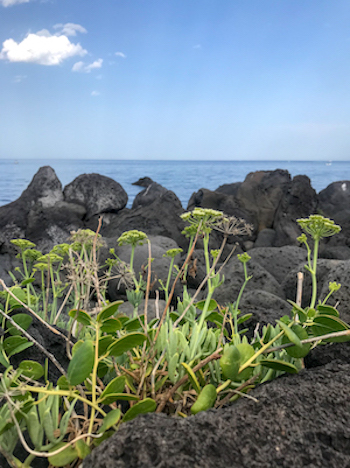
point(182, 177)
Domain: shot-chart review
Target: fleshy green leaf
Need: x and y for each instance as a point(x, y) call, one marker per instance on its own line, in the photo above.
point(63, 383)
point(16, 344)
point(127, 342)
point(111, 325)
point(31, 369)
point(293, 337)
point(279, 365)
point(108, 311)
point(20, 294)
point(145, 406)
point(298, 351)
point(82, 362)
point(65, 457)
point(103, 344)
point(243, 319)
point(27, 281)
point(215, 317)
point(212, 305)
point(192, 377)
point(172, 364)
point(115, 386)
point(298, 310)
point(80, 316)
point(109, 420)
point(135, 323)
point(327, 310)
point(324, 324)
point(23, 320)
point(206, 399)
point(82, 448)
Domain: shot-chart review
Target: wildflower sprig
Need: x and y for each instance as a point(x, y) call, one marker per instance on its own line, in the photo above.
point(202, 218)
point(317, 227)
point(232, 226)
point(132, 238)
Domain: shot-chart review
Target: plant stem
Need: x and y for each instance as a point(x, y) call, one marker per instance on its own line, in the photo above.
point(313, 274)
point(93, 382)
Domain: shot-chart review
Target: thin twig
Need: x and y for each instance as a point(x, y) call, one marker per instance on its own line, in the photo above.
point(309, 340)
point(63, 305)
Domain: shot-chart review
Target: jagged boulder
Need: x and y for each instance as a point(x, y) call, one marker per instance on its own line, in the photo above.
point(98, 194)
point(43, 194)
point(261, 193)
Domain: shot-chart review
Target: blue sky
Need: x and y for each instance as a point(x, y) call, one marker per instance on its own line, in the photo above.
point(175, 79)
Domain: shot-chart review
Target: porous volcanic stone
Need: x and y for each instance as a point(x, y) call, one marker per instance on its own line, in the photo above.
point(97, 193)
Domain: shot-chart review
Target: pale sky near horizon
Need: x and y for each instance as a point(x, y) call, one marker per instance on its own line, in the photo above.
point(175, 79)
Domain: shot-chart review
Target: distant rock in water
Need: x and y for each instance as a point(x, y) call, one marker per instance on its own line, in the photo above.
point(269, 200)
point(143, 182)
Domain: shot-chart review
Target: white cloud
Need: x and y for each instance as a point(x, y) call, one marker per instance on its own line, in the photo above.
point(120, 54)
point(70, 29)
point(41, 48)
point(82, 67)
point(95, 93)
point(7, 3)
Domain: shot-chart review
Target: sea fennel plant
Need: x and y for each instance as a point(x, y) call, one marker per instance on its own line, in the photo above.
point(193, 357)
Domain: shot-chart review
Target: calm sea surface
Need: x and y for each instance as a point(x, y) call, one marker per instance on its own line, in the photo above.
point(182, 177)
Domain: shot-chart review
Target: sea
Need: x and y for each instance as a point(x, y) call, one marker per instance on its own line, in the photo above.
point(182, 177)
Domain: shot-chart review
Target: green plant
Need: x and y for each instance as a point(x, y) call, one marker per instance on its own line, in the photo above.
point(186, 361)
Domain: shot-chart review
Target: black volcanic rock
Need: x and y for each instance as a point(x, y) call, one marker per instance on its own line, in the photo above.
point(42, 195)
point(152, 192)
point(299, 201)
point(97, 193)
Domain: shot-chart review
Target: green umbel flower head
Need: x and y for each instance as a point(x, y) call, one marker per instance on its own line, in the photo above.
point(318, 226)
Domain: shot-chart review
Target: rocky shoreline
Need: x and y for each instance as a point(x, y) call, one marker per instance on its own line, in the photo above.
point(270, 201)
point(300, 420)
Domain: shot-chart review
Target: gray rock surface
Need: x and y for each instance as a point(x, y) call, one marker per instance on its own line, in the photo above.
point(234, 277)
point(279, 261)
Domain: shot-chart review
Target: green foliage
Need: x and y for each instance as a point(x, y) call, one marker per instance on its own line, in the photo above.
point(177, 363)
